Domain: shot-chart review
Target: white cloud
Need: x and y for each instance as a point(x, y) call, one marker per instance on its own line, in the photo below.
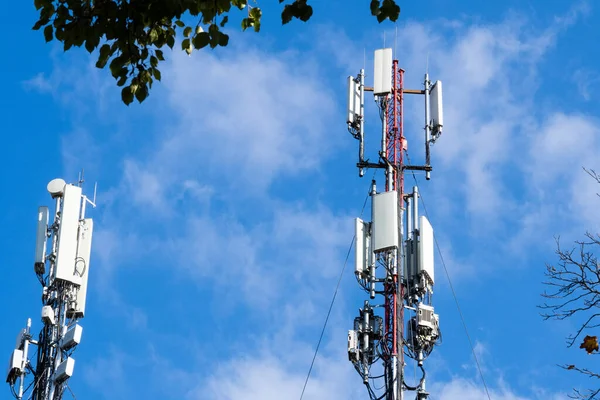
point(586, 81)
point(247, 114)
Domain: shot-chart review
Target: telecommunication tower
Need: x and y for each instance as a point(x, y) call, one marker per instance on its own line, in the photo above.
point(394, 252)
point(62, 260)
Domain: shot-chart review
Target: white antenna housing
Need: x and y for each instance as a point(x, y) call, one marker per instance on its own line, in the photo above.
point(72, 338)
point(56, 187)
point(82, 265)
point(426, 249)
point(15, 365)
point(362, 248)
point(64, 370)
point(351, 99)
point(385, 220)
point(41, 240)
point(382, 84)
point(437, 111)
point(68, 234)
point(354, 103)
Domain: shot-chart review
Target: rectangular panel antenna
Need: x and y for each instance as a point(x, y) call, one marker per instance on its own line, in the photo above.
point(67, 235)
point(437, 111)
point(64, 370)
point(72, 338)
point(362, 249)
point(351, 99)
point(41, 240)
point(426, 249)
point(385, 221)
point(82, 265)
point(353, 351)
point(15, 365)
point(382, 76)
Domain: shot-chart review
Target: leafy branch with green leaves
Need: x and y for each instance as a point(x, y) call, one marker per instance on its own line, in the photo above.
point(131, 34)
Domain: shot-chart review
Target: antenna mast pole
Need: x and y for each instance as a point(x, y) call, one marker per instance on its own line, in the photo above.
point(396, 240)
point(63, 273)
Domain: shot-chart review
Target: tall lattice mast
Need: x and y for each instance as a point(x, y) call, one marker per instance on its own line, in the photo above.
point(395, 242)
point(63, 272)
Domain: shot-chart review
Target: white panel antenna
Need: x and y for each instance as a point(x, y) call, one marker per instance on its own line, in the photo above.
point(437, 111)
point(41, 240)
point(382, 84)
point(48, 315)
point(362, 248)
point(15, 365)
point(72, 338)
point(354, 102)
point(426, 249)
point(65, 370)
point(82, 265)
point(68, 234)
point(385, 221)
point(351, 99)
point(353, 351)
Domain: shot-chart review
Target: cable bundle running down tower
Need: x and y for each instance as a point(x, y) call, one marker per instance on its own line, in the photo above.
point(394, 252)
point(63, 272)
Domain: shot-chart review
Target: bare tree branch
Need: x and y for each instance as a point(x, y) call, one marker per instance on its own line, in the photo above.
point(573, 291)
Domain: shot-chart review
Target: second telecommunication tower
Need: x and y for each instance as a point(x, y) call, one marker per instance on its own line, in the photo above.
point(394, 252)
point(63, 269)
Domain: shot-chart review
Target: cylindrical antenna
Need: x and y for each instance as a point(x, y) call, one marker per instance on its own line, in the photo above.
point(361, 155)
point(427, 86)
point(373, 267)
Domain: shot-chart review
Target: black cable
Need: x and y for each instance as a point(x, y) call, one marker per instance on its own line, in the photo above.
point(333, 301)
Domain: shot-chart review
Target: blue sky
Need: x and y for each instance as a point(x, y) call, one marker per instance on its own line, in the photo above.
point(226, 200)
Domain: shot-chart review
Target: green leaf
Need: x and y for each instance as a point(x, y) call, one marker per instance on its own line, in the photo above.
point(145, 76)
point(116, 66)
point(187, 31)
point(104, 55)
point(157, 74)
point(179, 23)
point(223, 39)
point(224, 21)
point(390, 9)
point(141, 93)
point(255, 14)
point(127, 95)
point(246, 23)
point(305, 13)
point(48, 33)
point(286, 14)
point(170, 41)
point(153, 61)
point(122, 80)
point(153, 35)
point(375, 7)
point(201, 40)
point(91, 43)
point(38, 25)
point(159, 55)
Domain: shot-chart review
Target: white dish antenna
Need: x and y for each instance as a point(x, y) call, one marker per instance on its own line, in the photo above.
point(56, 187)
